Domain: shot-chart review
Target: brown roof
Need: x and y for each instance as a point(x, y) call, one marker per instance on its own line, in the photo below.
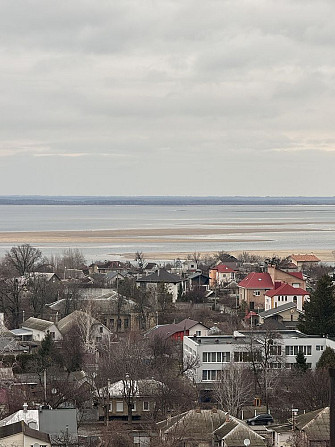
point(305, 258)
point(21, 427)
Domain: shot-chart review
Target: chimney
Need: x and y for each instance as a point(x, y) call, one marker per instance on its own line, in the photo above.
point(214, 410)
point(25, 407)
point(227, 417)
point(198, 410)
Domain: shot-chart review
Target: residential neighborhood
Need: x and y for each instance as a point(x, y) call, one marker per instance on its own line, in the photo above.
point(162, 353)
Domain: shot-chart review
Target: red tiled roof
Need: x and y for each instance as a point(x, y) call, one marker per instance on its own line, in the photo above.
point(286, 289)
point(298, 275)
point(221, 268)
point(305, 258)
point(257, 281)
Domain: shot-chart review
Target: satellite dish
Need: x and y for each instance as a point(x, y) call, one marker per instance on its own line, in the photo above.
point(246, 442)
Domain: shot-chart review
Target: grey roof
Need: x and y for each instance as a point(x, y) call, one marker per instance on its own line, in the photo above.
point(21, 332)
point(316, 424)
point(234, 432)
point(21, 427)
point(67, 323)
point(37, 324)
point(196, 424)
point(160, 276)
point(277, 310)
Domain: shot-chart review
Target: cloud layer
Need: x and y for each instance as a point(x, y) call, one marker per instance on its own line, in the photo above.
point(224, 97)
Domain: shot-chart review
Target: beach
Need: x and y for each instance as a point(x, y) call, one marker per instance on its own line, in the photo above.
point(190, 236)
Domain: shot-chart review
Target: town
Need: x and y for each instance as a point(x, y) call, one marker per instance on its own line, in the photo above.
point(212, 350)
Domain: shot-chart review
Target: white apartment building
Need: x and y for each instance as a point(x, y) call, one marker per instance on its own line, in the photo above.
point(215, 353)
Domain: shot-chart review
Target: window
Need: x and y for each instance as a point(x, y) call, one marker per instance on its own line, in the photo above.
point(126, 323)
point(119, 323)
point(111, 322)
point(119, 407)
point(210, 375)
point(198, 333)
point(319, 347)
point(52, 335)
point(146, 405)
point(275, 350)
point(101, 329)
point(294, 299)
point(215, 357)
point(133, 407)
point(252, 305)
point(293, 350)
point(257, 292)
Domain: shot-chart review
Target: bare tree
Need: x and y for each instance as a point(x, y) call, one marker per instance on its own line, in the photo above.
point(23, 258)
point(265, 356)
point(11, 297)
point(234, 388)
point(139, 258)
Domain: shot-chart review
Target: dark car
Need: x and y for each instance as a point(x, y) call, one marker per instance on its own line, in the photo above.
point(260, 419)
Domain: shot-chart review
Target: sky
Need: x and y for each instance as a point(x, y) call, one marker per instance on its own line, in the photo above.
point(167, 97)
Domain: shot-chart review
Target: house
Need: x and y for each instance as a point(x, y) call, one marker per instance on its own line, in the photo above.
point(121, 314)
point(90, 329)
point(174, 284)
point(20, 434)
point(107, 266)
point(194, 427)
point(285, 293)
point(314, 427)
point(252, 289)
point(144, 395)
point(112, 278)
point(197, 280)
point(216, 352)
point(177, 331)
point(39, 328)
point(233, 433)
point(304, 261)
point(150, 267)
point(55, 423)
point(284, 316)
point(294, 279)
point(220, 275)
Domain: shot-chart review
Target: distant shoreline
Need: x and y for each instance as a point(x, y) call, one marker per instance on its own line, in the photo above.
point(164, 200)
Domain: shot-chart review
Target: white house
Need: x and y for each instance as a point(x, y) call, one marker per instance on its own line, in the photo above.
point(216, 352)
point(40, 328)
point(285, 293)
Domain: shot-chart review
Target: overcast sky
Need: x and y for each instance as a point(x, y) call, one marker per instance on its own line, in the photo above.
point(167, 97)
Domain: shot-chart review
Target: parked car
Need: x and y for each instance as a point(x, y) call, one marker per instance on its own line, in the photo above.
point(260, 419)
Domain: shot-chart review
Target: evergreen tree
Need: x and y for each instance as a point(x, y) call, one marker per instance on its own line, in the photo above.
point(319, 316)
point(327, 359)
point(301, 363)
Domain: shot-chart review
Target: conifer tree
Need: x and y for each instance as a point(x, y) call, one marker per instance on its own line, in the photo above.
point(327, 359)
point(301, 363)
point(319, 316)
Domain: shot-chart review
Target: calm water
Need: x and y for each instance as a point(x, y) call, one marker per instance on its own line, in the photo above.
point(288, 218)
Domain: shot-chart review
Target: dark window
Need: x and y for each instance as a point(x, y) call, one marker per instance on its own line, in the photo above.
point(126, 323)
point(111, 322)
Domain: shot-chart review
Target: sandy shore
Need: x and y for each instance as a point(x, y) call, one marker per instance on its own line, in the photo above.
point(227, 234)
point(153, 235)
